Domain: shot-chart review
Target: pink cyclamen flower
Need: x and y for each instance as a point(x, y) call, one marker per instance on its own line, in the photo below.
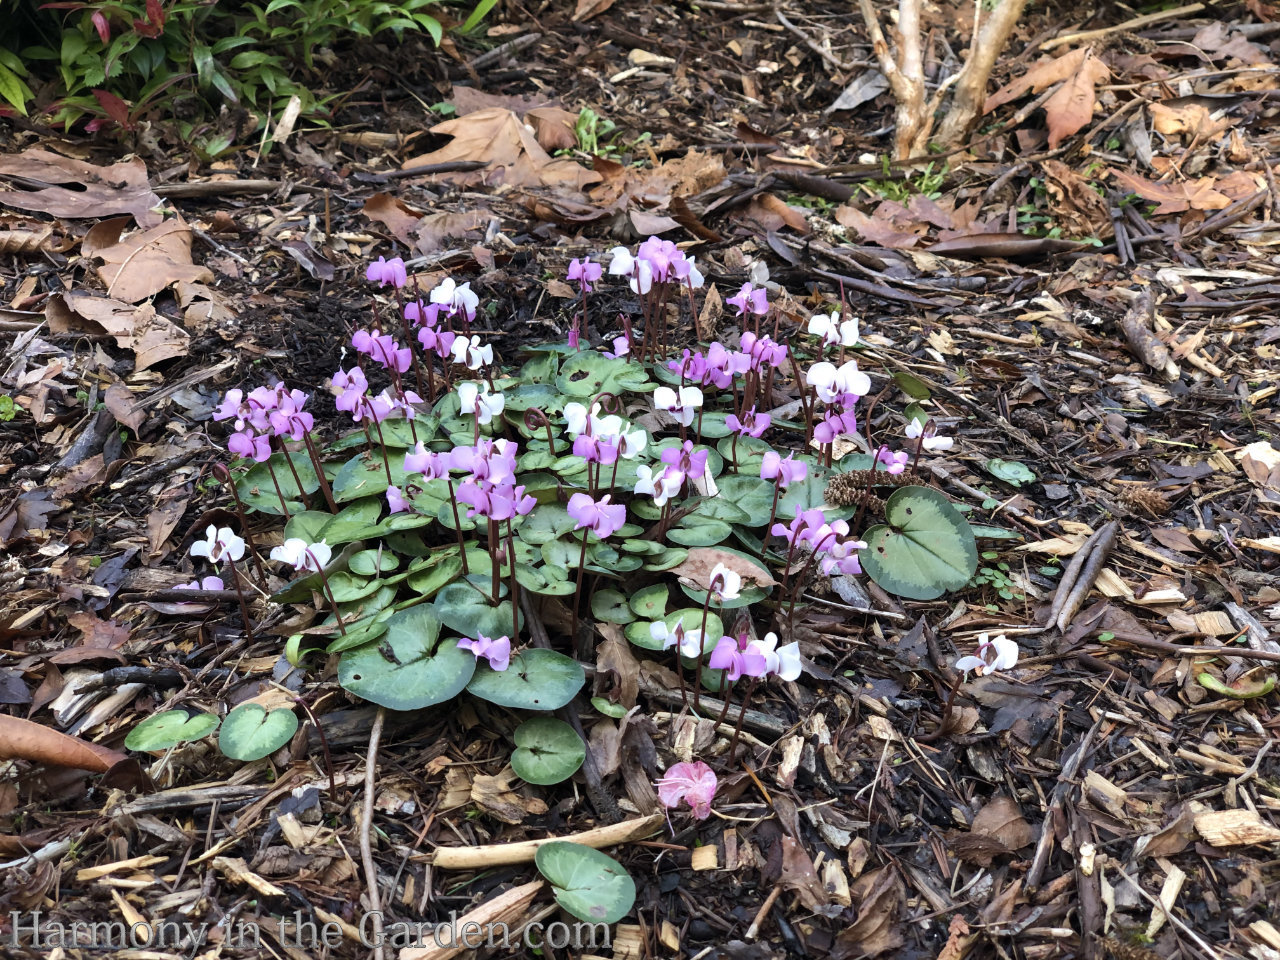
point(383, 271)
point(894, 461)
point(497, 652)
point(693, 783)
point(585, 273)
point(998, 653)
point(752, 424)
point(738, 657)
point(599, 516)
point(432, 465)
point(750, 300)
point(396, 500)
point(783, 472)
point(247, 444)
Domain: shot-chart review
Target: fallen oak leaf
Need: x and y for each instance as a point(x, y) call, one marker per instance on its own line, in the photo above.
point(25, 740)
point(65, 187)
point(143, 264)
point(1072, 106)
point(152, 338)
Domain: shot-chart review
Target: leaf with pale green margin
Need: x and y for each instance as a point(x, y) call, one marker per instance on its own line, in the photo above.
point(911, 385)
point(366, 476)
point(535, 679)
point(258, 492)
point(650, 603)
point(547, 751)
point(925, 549)
point(409, 668)
point(569, 467)
point(542, 396)
point(1010, 471)
point(610, 709)
point(537, 460)
point(397, 434)
point(712, 426)
point(696, 532)
point(445, 568)
point(749, 493)
point(250, 733)
point(160, 731)
point(541, 369)
point(462, 607)
point(724, 509)
point(591, 886)
point(350, 523)
point(547, 522)
point(750, 452)
point(446, 517)
point(366, 631)
point(611, 607)
point(588, 373)
point(308, 525)
point(370, 563)
point(641, 548)
point(668, 558)
point(347, 587)
point(809, 494)
point(410, 544)
point(400, 522)
point(644, 508)
point(538, 580)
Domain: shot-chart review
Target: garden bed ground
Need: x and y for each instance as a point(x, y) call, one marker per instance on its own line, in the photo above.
point(1112, 399)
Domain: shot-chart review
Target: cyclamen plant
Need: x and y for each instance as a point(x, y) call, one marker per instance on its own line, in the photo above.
point(465, 485)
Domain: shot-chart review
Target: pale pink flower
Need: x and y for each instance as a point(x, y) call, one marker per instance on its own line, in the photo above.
point(693, 783)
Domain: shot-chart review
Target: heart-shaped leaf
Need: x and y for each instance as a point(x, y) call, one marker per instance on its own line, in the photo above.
point(611, 607)
point(534, 680)
point(588, 884)
point(924, 550)
point(250, 733)
point(1010, 471)
point(547, 751)
point(461, 607)
point(161, 731)
point(258, 491)
point(651, 602)
point(408, 669)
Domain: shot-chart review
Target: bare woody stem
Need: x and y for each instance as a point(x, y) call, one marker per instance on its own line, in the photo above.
point(328, 594)
point(306, 503)
point(244, 609)
point(742, 714)
point(319, 468)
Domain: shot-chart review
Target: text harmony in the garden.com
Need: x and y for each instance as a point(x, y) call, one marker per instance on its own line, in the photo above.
point(37, 930)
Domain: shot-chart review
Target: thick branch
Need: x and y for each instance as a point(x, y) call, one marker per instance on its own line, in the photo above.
point(905, 76)
point(971, 85)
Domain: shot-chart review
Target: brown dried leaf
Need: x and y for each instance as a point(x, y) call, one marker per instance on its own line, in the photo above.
point(145, 263)
point(499, 138)
point(591, 8)
point(1001, 819)
point(876, 930)
point(1040, 76)
point(1174, 197)
point(98, 633)
point(554, 127)
point(152, 338)
point(70, 188)
point(615, 659)
point(396, 215)
point(1079, 209)
point(1072, 106)
point(119, 400)
point(798, 875)
point(697, 566)
point(25, 740)
point(434, 230)
point(890, 226)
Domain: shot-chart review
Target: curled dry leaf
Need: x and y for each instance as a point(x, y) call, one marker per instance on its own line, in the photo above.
point(1002, 820)
point(697, 566)
point(143, 264)
point(152, 338)
point(70, 188)
point(24, 740)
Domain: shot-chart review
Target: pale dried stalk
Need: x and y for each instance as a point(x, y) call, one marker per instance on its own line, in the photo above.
point(905, 75)
point(912, 115)
point(971, 82)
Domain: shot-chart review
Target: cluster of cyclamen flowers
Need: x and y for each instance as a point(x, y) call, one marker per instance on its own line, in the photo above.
point(265, 413)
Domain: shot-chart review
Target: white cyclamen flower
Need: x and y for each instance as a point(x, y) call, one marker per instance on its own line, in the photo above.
point(472, 352)
point(930, 443)
point(683, 405)
point(725, 584)
point(476, 399)
point(999, 653)
point(302, 555)
point(784, 662)
point(220, 544)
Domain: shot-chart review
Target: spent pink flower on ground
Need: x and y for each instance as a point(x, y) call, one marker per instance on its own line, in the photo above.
point(497, 652)
point(692, 783)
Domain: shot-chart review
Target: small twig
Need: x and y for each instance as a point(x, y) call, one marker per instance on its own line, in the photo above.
point(1097, 548)
point(1195, 937)
point(1200, 651)
point(502, 854)
point(1065, 784)
point(812, 44)
point(1134, 24)
point(366, 831)
point(754, 930)
point(500, 51)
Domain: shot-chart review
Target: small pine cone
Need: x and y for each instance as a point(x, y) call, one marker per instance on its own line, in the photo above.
point(851, 489)
point(1145, 499)
point(1128, 951)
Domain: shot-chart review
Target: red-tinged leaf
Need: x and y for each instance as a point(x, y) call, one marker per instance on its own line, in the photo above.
point(155, 13)
point(102, 25)
point(115, 108)
point(1039, 76)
